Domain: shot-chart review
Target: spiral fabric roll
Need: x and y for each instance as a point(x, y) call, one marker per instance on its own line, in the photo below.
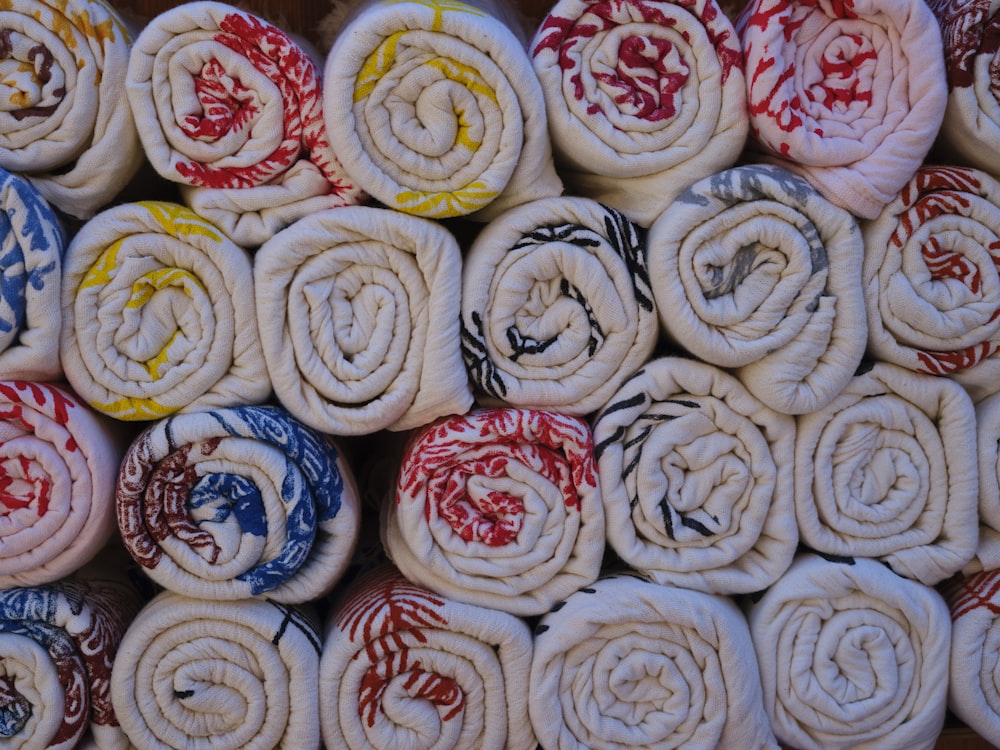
point(236, 503)
point(696, 479)
point(988, 444)
point(57, 464)
point(852, 657)
point(499, 508)
point(31, 257)
point(434, 109)
point(931, 277)
point(358, 313)
point(644, 97)
point(557, 308)
point(230, 675)
point(848, 93)
point(65, 122)
point(403, 667)
point(756, 271)
point(888, 470)
point(626, 663)
point(157, 317)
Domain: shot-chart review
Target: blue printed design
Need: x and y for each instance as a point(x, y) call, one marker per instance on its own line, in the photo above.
point(230, 494)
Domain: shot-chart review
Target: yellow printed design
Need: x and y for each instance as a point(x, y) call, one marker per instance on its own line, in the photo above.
point(134, 409)
point(179, 221)
point(440, 7)
point(445, 205)
point(143, 289)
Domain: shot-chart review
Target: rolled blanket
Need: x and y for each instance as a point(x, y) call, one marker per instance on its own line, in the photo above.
point(403, 667)
point(65, 122)
point(434, 109)
point(240, 502)
point(888, 470)
point(358, 313)
point(499, 508)
point(31, 257)
point(228, 675)
point(230, 106)
point(626, 663)
point(157, 317)
point(57, 465)
point(696, 479)
point(848, 93)
point(644, 97)
point(931, 277)
point(988, 443)
point(852, 657)
point(556, 305)
point(757, 271)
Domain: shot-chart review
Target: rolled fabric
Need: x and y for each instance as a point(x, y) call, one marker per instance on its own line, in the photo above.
point(643, 97)
point(403, 667)
point(499, 508)
point(65, 122)
point(157, 317)
point(236, 503)
point(848, 93)
point(889, 470)
point(629, 663)
point(31, 257)
point(434, 109)
point(931, 277)
point(988, 444)
point(756, 271)
point(852, 656)
point(358, 313)
point(556, 305)
point(230, 675)
point(696, 479)
point(57, 463)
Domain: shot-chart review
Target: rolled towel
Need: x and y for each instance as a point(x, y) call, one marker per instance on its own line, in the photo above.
point(158, 315)
point(237, 675)
point(626, 663)
point(931, 277)
point(556, 305)
point(57, 463)
point(31, 257)
point(403, 667)
point(434, 109)
point(235, 503)
point(852, 657)
point(848, 93)
point(988, 442)
point(65, 122)
point(696, 479)
point(755, 270)
point(888, 470)
point(499, 508)
point(358, 313)
point(643, 98)
point(230, 106)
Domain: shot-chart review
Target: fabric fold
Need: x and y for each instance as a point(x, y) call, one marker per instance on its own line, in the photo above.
point(237, 503)
point(499, 508)
point(888, 470)
point(434, 109)
point(557, 308)
point(629, 663)
point(358, 310)
point(238, 675)
point(696, 479)
point(404, 667)
point(65, 122)
point(988, 443)
point(852, 657)
point(756, 271)
point(849, 94)
point(158, 315)
point(643, 98)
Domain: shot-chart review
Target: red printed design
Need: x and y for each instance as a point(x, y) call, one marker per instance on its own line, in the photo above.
point(980, 591)
point(967, 31)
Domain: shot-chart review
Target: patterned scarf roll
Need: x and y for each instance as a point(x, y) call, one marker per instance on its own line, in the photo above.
point(644, 97)
point(158, 315)
point(848, 93)
point(66, 123)
point(500, 508)
point(401, 663)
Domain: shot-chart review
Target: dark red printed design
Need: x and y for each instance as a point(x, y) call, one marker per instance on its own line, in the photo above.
point(968, 31)
point(979, 591)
